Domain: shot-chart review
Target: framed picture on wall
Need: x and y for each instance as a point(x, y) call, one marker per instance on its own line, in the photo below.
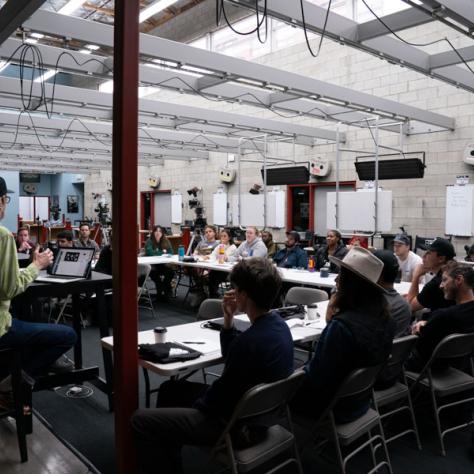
point(73, 204)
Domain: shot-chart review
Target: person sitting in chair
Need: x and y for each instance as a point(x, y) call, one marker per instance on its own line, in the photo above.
point(23, 242)
point(162, 275)
point(334, 246)
point(359, 333)
point(457, 283)
point(292, 256)
point(84, 240)
point(192, 413)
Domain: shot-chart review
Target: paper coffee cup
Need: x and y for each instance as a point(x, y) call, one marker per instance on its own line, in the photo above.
point(312, 311)
point(160, 334)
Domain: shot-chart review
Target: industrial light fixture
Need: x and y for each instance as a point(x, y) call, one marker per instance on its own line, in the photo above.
point(255, 189)
point(391, 168)
point(3, 65)
point(85, 51)
point(71, 6)
point(92, 47)
point(154, 8)
point(286, 175)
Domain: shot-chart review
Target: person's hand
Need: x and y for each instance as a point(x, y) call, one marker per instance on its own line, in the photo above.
point(42, 259)
point(229, 306)
point(415, 329)
point(331, 309)
point(419, 271)
point(24, 246)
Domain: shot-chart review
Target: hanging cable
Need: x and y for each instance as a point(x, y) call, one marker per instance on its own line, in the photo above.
point(420, 45)
point(323, 32)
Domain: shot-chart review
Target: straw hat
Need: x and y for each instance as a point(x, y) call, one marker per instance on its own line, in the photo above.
point(361, 262)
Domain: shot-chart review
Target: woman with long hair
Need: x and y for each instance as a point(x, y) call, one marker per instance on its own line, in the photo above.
point(359, 334)
point(162, 275)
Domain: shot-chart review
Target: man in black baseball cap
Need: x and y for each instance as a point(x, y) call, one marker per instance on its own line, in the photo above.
point(3, 188)
point(437, 255)
point(407, 260)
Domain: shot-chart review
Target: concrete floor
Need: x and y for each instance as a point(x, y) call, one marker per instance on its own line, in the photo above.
point(46, 455)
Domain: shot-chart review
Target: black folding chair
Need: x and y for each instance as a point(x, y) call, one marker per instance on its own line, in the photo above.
point(447, 381)
point(356, 384)
point(264, 401)
point(399, 391)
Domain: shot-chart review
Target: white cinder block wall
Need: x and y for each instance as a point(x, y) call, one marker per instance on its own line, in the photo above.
point(419, 204)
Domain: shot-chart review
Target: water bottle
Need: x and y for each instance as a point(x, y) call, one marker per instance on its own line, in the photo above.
point(311, 264)
point(181, 253)
point(221, 254)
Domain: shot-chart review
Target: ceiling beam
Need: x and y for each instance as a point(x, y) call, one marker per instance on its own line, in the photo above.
point(154, 47)
point(398, 21)
point(14, 13)
point(346, 31)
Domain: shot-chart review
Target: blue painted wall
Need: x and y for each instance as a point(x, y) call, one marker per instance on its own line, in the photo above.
point(64, 185)
point(13, 182)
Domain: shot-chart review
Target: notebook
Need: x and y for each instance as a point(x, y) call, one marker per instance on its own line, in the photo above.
point(70, 264)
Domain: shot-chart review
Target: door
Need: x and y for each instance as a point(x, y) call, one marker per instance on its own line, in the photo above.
point(162, 209)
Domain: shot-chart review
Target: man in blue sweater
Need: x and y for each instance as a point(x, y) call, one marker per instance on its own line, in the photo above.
point(195, 414)
point(292, 256)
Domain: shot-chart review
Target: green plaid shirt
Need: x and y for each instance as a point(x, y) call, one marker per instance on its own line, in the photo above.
point(12, 281)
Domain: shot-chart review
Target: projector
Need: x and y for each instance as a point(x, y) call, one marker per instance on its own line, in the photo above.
point(469, 154)
point(319, 168)
point(226, 175)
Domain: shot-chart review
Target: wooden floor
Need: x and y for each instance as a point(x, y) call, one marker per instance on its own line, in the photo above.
point(46, 455)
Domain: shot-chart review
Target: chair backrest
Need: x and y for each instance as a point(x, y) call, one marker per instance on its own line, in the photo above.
point(300, 295)
point(266, 399)
point(143, 270)
point(359, 381)
point(210, 308)
point(454, 346)
point(401, 349)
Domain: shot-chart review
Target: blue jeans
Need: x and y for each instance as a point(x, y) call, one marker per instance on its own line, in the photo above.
point(40, 344)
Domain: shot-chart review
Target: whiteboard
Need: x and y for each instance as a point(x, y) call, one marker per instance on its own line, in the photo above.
point(252, 210)
point(276, 209)
point(219, 208)
point(357, 210)
point(176, 208)
point(459, 210)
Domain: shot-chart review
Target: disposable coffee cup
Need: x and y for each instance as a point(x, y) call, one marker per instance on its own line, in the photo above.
point(312, 311)
point(160, 334)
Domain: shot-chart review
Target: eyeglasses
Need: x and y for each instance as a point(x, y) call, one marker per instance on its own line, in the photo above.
point(7, 198)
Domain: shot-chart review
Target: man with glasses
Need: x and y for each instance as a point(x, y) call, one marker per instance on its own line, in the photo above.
point(41, 344)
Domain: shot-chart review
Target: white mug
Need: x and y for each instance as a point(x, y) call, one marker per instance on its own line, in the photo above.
point(312, 311)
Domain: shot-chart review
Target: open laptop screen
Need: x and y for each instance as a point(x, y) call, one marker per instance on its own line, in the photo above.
point(73, 262)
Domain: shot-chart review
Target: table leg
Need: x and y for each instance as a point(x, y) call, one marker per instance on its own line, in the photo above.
point(76, 324)
point(106, 354)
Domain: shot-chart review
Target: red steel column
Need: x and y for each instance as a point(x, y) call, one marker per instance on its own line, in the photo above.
point(124, 184)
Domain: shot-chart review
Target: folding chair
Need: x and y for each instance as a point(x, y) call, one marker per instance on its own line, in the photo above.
point(21, 388)
point(449, 381)
point(301, 295)
point(210, 308)
point(262, 402)
point(357, 383)
point(144, 271)
point(399, 391)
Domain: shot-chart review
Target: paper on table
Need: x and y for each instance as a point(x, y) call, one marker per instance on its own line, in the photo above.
point(205, 346)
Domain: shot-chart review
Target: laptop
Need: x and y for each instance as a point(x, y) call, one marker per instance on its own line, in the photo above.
point(70, 264)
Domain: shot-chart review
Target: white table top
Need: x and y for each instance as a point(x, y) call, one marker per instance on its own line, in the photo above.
point(195, 332)
point(291, 275)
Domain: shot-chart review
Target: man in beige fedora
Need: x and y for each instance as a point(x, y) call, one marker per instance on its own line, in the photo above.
point(359, 333)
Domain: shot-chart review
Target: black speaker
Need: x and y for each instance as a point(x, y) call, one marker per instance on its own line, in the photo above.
point(287, 175)
point(399, 168)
